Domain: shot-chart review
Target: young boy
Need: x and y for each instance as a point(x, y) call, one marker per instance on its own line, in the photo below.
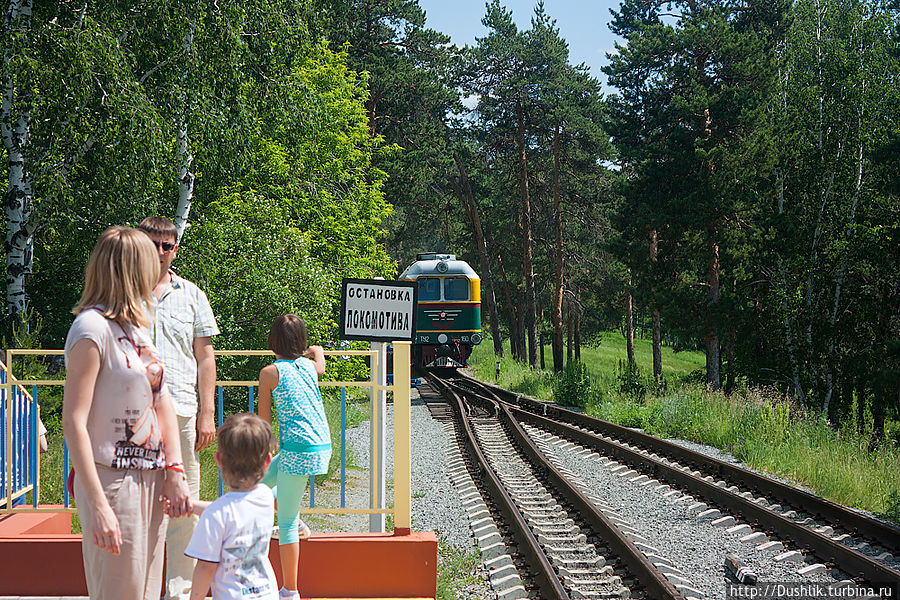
point(231, 541)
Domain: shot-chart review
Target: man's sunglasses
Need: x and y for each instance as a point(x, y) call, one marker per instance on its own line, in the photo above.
point(164, 246)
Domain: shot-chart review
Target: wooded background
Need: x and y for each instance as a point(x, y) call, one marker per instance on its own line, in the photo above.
point(737, 190)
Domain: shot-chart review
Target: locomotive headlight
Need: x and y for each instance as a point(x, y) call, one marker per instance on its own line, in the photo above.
point(441, 267)
point(476, 338)
point(442, 338)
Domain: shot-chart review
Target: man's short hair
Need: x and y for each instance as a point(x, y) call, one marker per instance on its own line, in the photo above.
point(287, 336)
point(160, 226)
point(244, 444)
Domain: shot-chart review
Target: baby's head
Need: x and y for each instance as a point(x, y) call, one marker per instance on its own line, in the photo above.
point(287, 336)
point(244, 444)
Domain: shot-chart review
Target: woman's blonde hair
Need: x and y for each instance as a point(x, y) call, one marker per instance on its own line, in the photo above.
point(120, 276)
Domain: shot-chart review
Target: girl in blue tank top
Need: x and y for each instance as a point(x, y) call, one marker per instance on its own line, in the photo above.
point(292, 382)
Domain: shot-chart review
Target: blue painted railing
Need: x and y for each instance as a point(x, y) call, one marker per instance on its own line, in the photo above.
point(18, 444)
point(19, 435)
point(220, 418)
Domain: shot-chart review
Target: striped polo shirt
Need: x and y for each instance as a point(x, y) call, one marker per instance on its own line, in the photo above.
point(182, 314)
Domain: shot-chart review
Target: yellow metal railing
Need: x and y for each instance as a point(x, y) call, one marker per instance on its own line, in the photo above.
point(400, 388)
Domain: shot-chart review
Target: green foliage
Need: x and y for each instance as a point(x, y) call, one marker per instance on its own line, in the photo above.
point(892, 507)
point(573, 385)
point(775, 423)
point(627, 413)
point(254, 265)
point(305, 118)
point(411, 75)
point(53, 474)
point(513, 376)
point(355, 413)
point(763, 429)
point(28, 333)
point(630, 379)
point(304, 217)
point(691, 122)
point(287, 200)
point(680, 415)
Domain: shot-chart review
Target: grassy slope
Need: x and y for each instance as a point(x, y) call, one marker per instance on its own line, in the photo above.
point(602, 359)
point(761, 428)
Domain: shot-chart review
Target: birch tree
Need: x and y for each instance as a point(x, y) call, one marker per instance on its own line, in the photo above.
point(70, 89)
point(15, 114)
point(839, 102)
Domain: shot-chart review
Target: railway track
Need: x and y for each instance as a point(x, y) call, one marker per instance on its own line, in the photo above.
point(564, 545)
point(851, 549)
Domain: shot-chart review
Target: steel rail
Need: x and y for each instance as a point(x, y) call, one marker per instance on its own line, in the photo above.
point(847, 559)
point(653, 581)
point(545, 577)
point(885, 534)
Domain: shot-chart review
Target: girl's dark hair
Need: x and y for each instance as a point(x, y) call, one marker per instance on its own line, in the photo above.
point(244, 443)
point(287, 336)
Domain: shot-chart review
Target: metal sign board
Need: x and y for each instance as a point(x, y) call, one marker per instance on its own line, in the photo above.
point(376, 310)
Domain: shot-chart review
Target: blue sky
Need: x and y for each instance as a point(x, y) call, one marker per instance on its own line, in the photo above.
point(582, 23)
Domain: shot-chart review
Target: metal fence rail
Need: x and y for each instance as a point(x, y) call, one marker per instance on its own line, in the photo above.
point(20, 413)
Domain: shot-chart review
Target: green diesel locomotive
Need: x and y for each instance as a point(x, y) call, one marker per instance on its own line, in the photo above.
point(448, 312)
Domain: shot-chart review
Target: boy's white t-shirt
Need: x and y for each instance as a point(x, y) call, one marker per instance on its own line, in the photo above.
point(234, 531)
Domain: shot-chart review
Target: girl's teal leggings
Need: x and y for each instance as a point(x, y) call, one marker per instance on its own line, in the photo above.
point(289, 490)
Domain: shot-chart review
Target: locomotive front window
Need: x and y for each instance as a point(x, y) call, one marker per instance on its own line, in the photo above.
point(429, 288)
point(456, 289)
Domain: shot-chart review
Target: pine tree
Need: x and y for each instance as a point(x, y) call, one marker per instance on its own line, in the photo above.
point(691, 112)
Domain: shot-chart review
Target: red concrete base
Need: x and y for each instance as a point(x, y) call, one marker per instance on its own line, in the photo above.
point(12, 524)
point(368, 565)
point(39, 557)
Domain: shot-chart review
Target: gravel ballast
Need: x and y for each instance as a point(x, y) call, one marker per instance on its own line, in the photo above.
point(435, 503)
point(694, 545)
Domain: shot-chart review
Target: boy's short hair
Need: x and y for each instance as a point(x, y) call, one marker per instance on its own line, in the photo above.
point(244, 443)
point(160, 226)
point(287, 336)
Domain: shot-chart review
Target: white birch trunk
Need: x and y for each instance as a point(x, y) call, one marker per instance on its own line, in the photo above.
point(185, 180)
point(19, 195)
point(785, 309)
point(829, 387)
point(183, 157)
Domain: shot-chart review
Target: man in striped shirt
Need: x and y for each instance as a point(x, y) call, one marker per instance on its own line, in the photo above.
point(183, 332)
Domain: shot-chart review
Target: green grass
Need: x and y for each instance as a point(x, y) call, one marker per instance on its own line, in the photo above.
point(601, 360)
point(760, 427)
point(455, 570)
point(53, 476)
point(769, 433)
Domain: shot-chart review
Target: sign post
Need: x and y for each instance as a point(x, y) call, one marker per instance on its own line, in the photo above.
point(378, 311)
point(377, 411)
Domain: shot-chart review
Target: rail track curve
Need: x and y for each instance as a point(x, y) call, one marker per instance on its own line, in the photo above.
point(553, 525)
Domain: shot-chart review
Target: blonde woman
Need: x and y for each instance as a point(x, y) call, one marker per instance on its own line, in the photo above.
point(119, 423)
